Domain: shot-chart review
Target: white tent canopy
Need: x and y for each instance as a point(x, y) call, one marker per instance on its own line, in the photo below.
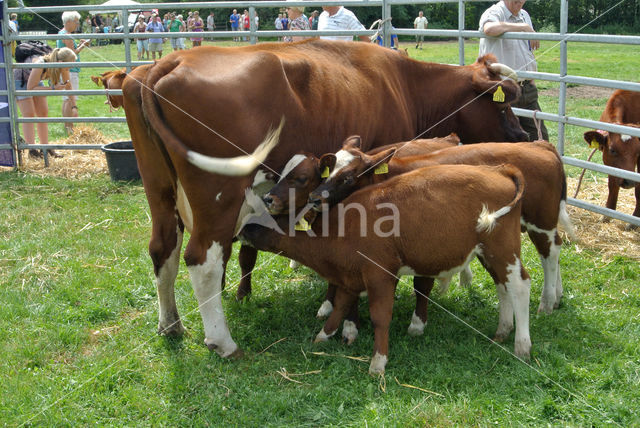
point(115, 3)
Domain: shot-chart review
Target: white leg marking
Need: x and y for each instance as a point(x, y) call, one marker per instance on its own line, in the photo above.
point(206, 279)
point(466, 277)
point(293, 264)
point(325, 309)
point(349, 331)
point(323, 337)
point(505, 322)
point(378, 362)
point(416, 328)
point(551, 275)
point(519, 289)
point(444, 284)
point(168, 319)
point(559, 290)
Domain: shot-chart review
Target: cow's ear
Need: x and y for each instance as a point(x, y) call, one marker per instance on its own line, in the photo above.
point(97, 80)
point(381, 158)
point(596, 139)
point(327, 162)
point(501, 91)
point(353, 142)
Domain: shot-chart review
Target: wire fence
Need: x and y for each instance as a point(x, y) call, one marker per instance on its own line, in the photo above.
point(253, 35)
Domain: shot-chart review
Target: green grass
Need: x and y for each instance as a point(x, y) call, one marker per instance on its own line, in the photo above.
point(79, 316)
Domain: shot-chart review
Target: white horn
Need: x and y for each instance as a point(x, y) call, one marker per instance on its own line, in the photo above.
point(240, 165)
point(504, 70)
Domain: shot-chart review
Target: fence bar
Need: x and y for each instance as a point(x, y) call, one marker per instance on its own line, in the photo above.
point(562, 96)
point(604, 211)
point(61, 92)
point(65, 119)
point(461, 11)
point(622, 173)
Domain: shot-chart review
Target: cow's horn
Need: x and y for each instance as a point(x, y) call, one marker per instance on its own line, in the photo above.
point(241, 165)
point(504, 70)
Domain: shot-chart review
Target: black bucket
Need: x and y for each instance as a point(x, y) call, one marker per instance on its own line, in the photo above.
point(121, 160)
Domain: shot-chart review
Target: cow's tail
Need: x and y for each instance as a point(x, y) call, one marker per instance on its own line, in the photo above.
point(237, 166)
point(487, 220)
point(563, 216)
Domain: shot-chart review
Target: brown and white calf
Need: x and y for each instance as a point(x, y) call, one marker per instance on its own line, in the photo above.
point(543, 205)
point(429, 223)
point(619, 150)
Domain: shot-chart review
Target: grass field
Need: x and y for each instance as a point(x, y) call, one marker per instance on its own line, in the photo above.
point(79, 320)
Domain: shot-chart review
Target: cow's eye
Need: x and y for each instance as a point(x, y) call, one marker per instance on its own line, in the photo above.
point(302, 180)
point(348, 180)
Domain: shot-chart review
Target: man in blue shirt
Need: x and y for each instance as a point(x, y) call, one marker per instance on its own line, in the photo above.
point(234, 19)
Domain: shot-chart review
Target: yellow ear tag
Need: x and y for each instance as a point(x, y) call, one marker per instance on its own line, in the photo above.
point(383, 168)
point(498, 95)
point(594, 144)
point(325, 173)
point(303, 225)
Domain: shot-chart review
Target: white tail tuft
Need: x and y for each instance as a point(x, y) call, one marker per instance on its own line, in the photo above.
point(487, 220)
point(240, 165)
point(565, 221)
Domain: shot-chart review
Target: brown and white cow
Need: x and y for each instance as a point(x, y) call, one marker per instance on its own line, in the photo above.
point(429, 223)
point(543, 205)
point(205, 105)
point(619, 150)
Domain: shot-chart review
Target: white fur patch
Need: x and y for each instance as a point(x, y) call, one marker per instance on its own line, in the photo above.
point(165, 282)
point(291, 165)
point(325, 309)
point(625, 137)
point(323, 337)
point(378, 363)
point(207, 286)
point(416, 328)
point(343, 159)
point(260, 178)
point(184, 208)
point(447, 274)
point(364, 294)
point(293, 264)
point(551, 234)
point(349, 331)
point(518, 289)
point(406, 270)
point(218, 196)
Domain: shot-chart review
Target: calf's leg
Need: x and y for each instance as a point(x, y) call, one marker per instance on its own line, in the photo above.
point(247, 259)
point(344, 302)
point(422, 287)
point(381, 296)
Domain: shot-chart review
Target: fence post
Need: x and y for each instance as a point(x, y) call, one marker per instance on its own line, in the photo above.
point(562, 97)
point(252, 25)
point(12, 106)
point(461, 11)
point(386, 27)
point(127, 40)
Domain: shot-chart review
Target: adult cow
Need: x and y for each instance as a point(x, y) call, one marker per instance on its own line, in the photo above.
point(204, 105)
point(619, 150)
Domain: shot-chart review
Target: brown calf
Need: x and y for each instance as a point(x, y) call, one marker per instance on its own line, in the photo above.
point(619, 150)
point(543, 205)
point(478, 212)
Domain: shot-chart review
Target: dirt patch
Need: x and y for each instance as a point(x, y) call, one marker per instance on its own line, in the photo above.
point(580, 92)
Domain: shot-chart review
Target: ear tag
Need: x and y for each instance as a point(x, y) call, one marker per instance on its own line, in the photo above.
point(498, 95)
point(325, 173)
point(303, 225)
point(594, 144)
point(383, 168)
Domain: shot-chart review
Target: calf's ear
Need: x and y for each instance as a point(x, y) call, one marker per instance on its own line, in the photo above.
point(327, 161)
point(379, 158)
point(597, 139)
point(353, 142)
point(97, 80)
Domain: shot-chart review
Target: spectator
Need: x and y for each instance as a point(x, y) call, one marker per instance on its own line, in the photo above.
point(177, 25)
point(285, 23)
point(155, 43)
point(234, 19)
point(142, 44)
point(98, 24)
point(246, 22)
point(394, 40)
point(313, 20)
point(197, 25)
point(87, 27)
point(278, 24)
point(71, 21)
point(339, 18)
point(508, 15)
point(36, 106)
point(211, 22)
point(420, 23)
point(297, 21)
point(257, 21)
point(14, 29)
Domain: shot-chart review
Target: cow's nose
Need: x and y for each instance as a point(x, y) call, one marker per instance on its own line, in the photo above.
point(315, 200)
point(626, 184)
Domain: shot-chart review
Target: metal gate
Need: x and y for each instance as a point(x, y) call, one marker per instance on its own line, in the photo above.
point(563, 78)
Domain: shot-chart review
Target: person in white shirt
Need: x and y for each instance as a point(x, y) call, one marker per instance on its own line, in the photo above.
point(508, 15)
point(339, 18)
point(211, 23)
point(420, 23)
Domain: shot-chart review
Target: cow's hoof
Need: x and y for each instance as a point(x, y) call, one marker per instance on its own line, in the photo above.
point(241, 294)
point(522, 349)
point(322, 336)
point(378, 363)
point(236, 355)
point(546, 308)
point(349, 332)
point(500, 337)
point(630, 227)
point(325, 310)
point(605, 219)
point(227, 350)
point(174, 329)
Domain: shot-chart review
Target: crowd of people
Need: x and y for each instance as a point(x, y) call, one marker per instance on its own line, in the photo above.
point(506, 15)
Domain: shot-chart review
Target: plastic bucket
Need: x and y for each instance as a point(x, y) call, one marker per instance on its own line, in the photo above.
point(121, 160)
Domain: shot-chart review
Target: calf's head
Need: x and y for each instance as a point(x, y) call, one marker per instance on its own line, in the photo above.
point(618, 151)
point(347, 169)
point(299, 177)
point(111, 80)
